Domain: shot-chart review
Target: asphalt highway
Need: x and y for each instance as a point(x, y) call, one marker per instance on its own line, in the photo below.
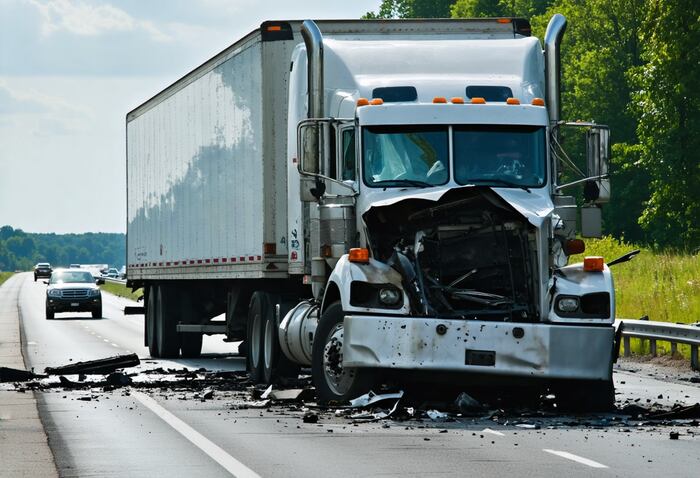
point(156, 433)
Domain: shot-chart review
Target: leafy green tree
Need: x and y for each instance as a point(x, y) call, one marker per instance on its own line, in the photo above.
point(499, 8)
point(667, 104)
point(412, 9)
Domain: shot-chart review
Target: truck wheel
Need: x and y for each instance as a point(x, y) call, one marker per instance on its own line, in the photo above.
point(167, 337)
point(49, 313)
point(335, 383)
point(258, 309)
point(150, 319)
point(191, 345)
point(586, 396)
point(275, 363)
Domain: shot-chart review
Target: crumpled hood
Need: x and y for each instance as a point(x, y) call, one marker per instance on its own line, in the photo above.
point(536, 206)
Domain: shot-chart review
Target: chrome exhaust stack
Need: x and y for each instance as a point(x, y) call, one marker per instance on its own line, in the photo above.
point(314, 64)
point(552, 68)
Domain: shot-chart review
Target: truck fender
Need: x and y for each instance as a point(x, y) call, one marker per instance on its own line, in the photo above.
point(374, 272)
point(572, 280)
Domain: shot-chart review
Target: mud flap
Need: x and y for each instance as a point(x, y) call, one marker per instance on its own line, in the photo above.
point(617, 343)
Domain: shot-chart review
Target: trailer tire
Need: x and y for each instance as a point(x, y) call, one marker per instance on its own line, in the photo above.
point(275, 363)
point(167, 337)
point(150, 319)
point(333, 382)
point(191, 345)
point(258, 309)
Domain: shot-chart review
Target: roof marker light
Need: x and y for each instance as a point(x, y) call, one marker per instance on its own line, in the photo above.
point(593, 264)
point(457, 100)
point(362, 102)
point(376, 101)
point(538, 102)
point(478, 101)
point(504, 20)
point(274, 28)
point(439, 99)
point(359, 255)
point(513, 101)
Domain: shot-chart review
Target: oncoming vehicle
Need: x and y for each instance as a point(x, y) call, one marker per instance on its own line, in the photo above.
point(73, 290)
point(42, 269)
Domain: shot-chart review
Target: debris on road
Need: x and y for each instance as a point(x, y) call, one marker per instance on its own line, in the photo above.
point(310, 417)
point(674, 435)
point(96, 367)
point(372, 398)
point(17, 375)
point(467, 404)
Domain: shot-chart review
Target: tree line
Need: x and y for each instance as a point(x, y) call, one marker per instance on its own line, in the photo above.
point(633, 65)
point(20, 250)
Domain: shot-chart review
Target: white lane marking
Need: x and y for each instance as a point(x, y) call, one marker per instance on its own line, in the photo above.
point(576, 458)
point(114, 345)
point(233, 466)
point(99, 336)
point(105, 340)
point(128, 351)
point(493, 432)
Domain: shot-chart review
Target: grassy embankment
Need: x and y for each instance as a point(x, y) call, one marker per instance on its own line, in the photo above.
point(4, 276)
point(663, 286)
point(121, 290)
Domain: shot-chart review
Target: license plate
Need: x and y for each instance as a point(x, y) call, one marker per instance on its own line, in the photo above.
point(74, 304)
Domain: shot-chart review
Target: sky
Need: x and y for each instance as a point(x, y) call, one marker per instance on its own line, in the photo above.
point(70, 70)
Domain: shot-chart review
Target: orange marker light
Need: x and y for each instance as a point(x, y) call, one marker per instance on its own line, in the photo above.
point(478, 101)
point(362, 102)
point(593, 264)
point(457, 100)
point(376, 101)
point(512, 101)
point(439, 99)
point(274, 28)
point(503, 20)
point(359, 255)
point(538, 102)
point(270, 248)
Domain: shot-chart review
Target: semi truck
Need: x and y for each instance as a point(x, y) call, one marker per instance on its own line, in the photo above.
point(375, 199)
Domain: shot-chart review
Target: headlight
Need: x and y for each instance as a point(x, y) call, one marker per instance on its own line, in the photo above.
point(94, 292)
point(54, 292)
point(567, 304)
point(389, 296)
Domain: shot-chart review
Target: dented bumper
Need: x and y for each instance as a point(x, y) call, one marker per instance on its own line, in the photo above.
point(497, 348)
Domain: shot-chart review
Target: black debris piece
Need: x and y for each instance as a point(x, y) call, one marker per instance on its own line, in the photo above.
point(674, 435)
point(16, 375)
point(310, 417)
point(96, 367)
point(118, 379)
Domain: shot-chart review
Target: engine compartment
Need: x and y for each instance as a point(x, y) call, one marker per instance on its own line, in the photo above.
point(468, 255)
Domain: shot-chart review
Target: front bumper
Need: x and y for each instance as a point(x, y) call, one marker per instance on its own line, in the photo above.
point(542, 351)
point(88, 304)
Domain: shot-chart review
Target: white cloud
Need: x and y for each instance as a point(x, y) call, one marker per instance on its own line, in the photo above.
point(85, 19)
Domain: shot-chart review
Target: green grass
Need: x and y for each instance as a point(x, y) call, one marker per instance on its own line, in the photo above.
point(4, 276)
point(663, 286)
point(121, 290)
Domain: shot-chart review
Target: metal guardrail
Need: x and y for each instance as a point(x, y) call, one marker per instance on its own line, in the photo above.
point(113, 280)
point(664, 331)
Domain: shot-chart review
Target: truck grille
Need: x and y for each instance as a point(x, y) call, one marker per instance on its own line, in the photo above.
point(74, 293)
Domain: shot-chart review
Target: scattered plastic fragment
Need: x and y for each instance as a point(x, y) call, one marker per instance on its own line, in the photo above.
point(437, 416)
point(371, 398)
point(96, 367)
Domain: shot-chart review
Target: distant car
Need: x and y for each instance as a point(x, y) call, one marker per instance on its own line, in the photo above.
point(122, 272)
point(42, 269)
point(112, 272)
point(73, 290)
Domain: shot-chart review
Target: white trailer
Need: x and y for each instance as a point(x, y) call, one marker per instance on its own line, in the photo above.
point(360, 237)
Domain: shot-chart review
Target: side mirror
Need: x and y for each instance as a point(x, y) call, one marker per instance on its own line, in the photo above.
point(99, 281)
point(597, 189)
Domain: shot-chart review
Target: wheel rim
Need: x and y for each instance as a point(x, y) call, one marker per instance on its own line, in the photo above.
point(255, 339)
point(267, 353)
point(338, 379)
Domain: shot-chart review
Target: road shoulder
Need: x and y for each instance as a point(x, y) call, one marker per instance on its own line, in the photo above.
point(23, 442)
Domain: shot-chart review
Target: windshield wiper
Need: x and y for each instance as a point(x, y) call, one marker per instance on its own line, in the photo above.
point(503, 182)
point(404, 182)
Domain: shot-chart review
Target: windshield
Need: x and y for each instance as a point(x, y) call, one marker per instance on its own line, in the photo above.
point(395, 156)
point(62, 277)
point(510, 155)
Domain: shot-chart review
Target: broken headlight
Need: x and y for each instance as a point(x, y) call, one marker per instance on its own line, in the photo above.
point(375, 296)
point(567, 304)
point(389, 296)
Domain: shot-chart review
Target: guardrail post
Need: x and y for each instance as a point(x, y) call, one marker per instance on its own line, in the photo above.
point(694, 357)
point(674, 349)
point(652, 347)
point(628, 350)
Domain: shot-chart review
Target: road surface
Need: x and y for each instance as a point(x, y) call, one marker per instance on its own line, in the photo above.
point(171, 434)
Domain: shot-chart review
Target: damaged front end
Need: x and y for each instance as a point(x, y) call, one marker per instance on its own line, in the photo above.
point(466, 255)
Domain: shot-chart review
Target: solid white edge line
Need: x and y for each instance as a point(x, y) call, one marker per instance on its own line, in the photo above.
point(493, 432)
point(576, 458)
point(230, 464)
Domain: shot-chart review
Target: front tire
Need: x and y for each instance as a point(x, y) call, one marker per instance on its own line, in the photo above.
point(586, 396)
point(49, 313)
point(335, 383)
point(97, 313)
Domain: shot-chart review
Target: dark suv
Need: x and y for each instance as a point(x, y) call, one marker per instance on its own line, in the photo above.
point(42, 269)
point(73, 290)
